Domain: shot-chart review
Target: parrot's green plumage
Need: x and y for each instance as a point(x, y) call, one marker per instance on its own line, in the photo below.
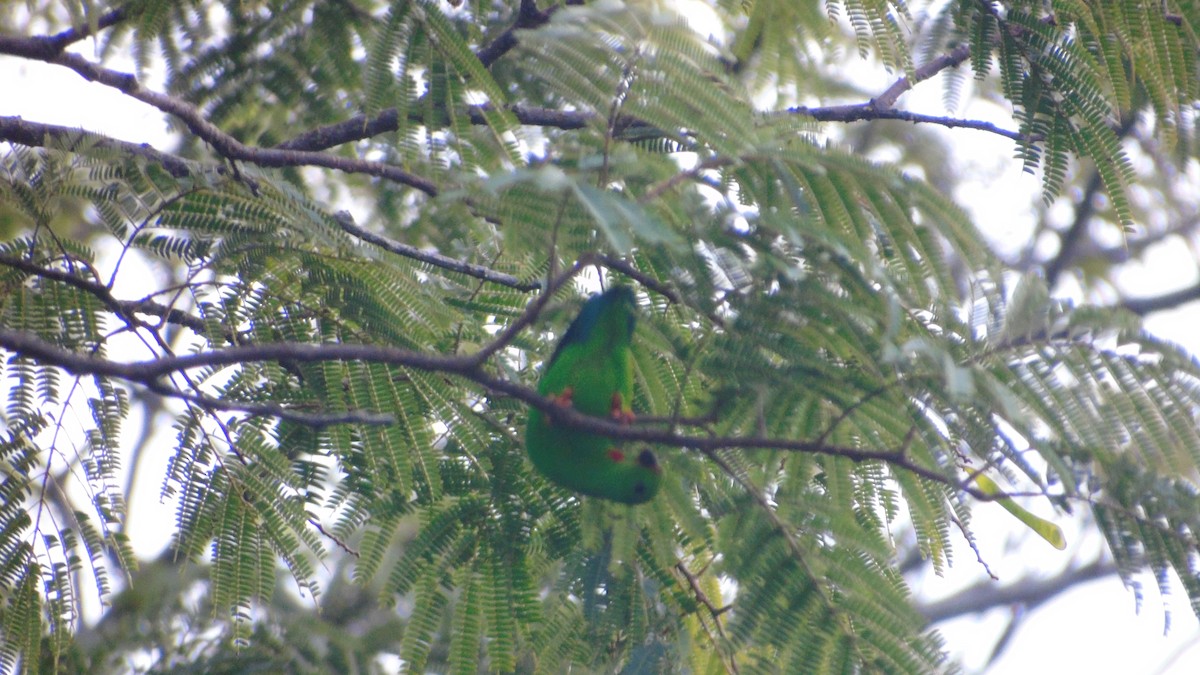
point(592, 370)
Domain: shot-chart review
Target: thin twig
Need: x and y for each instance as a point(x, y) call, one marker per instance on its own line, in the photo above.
point(346, 222)
point(340, 544)
point(974, 547)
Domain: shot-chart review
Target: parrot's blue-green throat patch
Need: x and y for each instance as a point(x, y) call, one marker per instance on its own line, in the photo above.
point(617, 301)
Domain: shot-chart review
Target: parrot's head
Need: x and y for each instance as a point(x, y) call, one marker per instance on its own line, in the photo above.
point(639, 480)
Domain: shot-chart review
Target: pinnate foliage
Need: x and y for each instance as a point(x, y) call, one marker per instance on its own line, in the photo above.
point(838, 322)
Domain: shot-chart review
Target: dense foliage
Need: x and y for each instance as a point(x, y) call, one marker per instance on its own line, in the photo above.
point(827, 351)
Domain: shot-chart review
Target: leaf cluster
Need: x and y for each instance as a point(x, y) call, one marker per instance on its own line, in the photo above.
point(791, 292)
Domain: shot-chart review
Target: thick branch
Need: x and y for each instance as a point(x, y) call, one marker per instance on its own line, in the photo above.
point(988, 595)
point(49, 46)
point(35, 134)
point(528, 16)
point(1157, 303)
point(148, 373)
point(226, 145)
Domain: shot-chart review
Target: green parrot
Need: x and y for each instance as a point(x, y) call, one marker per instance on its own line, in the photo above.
point(592, 370)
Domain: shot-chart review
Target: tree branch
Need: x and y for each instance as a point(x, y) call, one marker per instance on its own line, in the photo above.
point(986, 595)
point(104, 295)
point(1084, 211)
point(36, 134)
point(951, 59)
point(50, 46)
point(304, 150)
point(867, 111)
point(359, 127)
point(225, 145)
point(313, 419)
point(1157, 303)
point(346, 221)
point(467, 366)
point(528, 16)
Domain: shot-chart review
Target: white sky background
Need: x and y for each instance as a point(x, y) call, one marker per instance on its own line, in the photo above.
point(1091, 629)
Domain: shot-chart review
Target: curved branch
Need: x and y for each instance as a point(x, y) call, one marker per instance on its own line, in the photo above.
point(33, 134)
point(1158, 303)
point(103, 294)
point(528, 16)
point(984, 596)
point(49, 46)
point(225, 145)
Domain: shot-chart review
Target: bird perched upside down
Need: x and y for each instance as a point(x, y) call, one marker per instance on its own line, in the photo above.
point(592, 371)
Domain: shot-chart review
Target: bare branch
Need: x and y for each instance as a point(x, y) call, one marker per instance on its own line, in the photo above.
point(35, 134)
point(340, 544)
point(974, 547)
point(698, 591)
point(951, 59)
point(867, 111)
point(227, 146)
point(528, 16)
point(467, 366)
point(1157, 303)
point(987, 595)
point(49, 46)
point(359, 127)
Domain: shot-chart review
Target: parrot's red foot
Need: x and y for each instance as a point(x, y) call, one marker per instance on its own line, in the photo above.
point(562, 399)
point(619, 413)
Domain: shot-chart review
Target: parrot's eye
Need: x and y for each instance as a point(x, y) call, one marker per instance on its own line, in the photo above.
point(646, 460)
